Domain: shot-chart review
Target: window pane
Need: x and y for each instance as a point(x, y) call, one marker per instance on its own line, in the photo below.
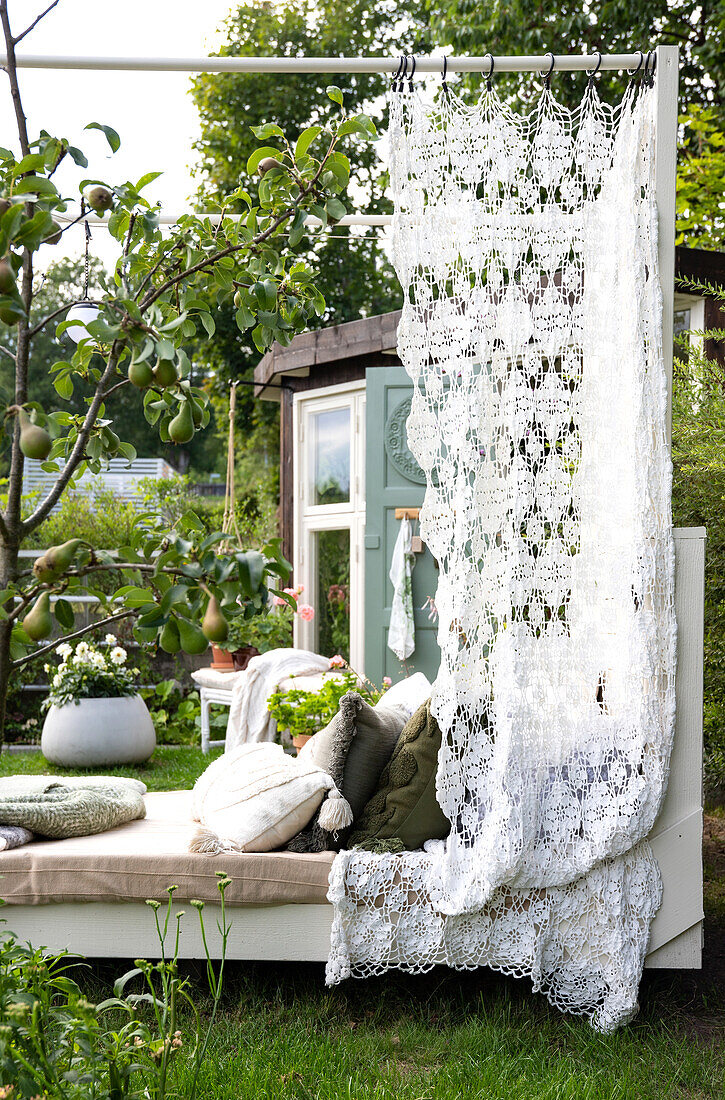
point(333, 593)
point(330, 457)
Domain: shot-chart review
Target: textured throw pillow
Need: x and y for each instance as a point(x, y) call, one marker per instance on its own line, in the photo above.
point(404, 812)
point(256, 797)
point(353, 749)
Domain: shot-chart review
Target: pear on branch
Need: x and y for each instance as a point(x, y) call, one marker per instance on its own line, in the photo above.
point(55, 561)
point(181, 428)
point(34, 440)
point(214, 625)
point(38, 623)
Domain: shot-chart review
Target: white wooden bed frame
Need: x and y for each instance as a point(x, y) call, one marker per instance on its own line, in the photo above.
point(302, 932)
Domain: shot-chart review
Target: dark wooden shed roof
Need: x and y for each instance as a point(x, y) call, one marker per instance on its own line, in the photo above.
point(377, 335)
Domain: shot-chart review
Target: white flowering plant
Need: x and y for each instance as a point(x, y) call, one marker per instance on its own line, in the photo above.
point(90, 672)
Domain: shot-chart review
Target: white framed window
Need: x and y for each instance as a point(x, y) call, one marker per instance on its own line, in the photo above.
point(329, 518)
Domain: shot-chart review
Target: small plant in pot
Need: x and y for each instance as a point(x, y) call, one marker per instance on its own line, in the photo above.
point(95, 715)
point(248, 637)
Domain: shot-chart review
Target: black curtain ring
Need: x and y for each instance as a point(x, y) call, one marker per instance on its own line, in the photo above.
point(648, 75)
point(412, 73)
point(401, 82)
point(591, 73)
point(547, 78)
point(633, 72)
point(397, 76)
point(445, 69)
point(490, 71)
point(653, 69)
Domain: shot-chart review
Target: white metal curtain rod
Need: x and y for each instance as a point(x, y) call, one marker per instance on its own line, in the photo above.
point(562, 63)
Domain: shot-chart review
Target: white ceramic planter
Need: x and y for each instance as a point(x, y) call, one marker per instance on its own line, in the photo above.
point(98, 732)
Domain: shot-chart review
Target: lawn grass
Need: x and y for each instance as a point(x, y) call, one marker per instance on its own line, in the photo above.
point(446, 1036)
point(171, 768)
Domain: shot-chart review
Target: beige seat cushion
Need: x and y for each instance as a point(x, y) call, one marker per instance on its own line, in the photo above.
point(139, 860)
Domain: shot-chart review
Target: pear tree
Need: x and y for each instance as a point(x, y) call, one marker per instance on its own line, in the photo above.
point(180, 587)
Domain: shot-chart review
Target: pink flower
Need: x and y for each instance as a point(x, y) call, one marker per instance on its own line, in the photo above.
point(299, 589)
point(337, 661)
point(279, 601)
point(306, 612)
point(290, 592)
point(387, 682)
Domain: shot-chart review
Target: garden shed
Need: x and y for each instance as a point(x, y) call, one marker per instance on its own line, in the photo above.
point(347, 474)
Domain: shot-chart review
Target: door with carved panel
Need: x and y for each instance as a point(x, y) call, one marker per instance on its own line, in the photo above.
point(393, 480)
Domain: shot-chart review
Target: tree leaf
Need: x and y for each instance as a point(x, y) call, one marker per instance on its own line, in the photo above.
point(305, 140)
point(64, 614)
point(334, 93)
point(111, 136)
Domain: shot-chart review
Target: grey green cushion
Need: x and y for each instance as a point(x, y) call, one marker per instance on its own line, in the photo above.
point(353, 748)
point(404, 812)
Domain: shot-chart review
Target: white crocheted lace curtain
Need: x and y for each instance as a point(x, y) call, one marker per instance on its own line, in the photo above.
point(526, 248)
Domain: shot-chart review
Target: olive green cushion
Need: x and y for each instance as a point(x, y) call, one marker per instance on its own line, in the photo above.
point(404, 812)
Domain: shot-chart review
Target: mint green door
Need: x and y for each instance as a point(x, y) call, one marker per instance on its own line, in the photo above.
point(393, 480)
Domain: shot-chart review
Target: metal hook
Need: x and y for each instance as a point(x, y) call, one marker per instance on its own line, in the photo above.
point(591, 73)
point(412, 73)
point(490, 72)
point(547, 78)
point(633, 72)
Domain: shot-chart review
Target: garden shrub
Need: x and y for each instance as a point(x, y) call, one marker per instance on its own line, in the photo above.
point(698, 499)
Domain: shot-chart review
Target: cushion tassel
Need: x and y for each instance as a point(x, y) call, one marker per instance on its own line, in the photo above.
point(206, 840)
point(335, 813)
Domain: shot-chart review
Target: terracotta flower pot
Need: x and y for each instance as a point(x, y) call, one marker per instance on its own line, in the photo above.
point(221, 660)
point(300, 739)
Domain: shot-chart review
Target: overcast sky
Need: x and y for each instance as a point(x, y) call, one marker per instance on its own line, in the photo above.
point(152, 112)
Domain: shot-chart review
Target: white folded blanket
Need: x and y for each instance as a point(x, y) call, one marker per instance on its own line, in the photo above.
point(249, 720)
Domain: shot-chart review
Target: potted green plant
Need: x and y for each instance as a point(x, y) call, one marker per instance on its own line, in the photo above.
point(299, 714)
point(248, 638)
point(95, 715)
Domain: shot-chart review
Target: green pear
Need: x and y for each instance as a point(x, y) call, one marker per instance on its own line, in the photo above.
point(266, 163)
point(8, 316)
point(214, 625)
point(191, 637)
point(181, 428)
point(43, 570)
point(169, 637)
point(100, 200)
point(55, 234)
point(197, 414)
point(140, 375)
point(165, 373)
point(7, 277)
point(38, 623)
point(34, 440)
point(59, 558)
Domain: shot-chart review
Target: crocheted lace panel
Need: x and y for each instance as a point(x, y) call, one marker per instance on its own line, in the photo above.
point(526, 248)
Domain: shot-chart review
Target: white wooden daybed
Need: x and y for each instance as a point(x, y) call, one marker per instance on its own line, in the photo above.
point(88, 894)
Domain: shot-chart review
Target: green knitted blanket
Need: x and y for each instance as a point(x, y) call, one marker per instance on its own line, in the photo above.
point(59, 806)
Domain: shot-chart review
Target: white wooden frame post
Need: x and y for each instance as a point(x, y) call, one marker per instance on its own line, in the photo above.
point(665, 89)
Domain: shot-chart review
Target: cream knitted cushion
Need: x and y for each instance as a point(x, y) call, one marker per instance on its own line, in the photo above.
point(257, 797)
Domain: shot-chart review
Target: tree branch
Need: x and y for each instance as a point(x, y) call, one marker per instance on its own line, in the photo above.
point(51, 316)
point(69, 637)
point(152, 296)
point(8, 352)
point(36, 21)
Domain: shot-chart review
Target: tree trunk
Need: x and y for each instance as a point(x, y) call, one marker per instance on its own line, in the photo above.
point(8, 573)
